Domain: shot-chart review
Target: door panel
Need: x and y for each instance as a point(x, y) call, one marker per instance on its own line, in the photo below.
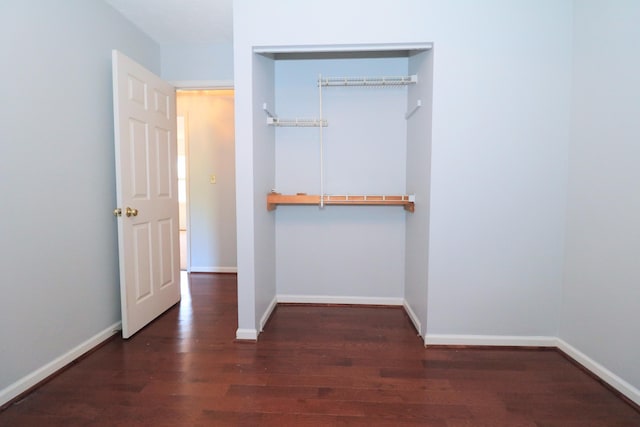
point(142, 266)
point(139, 162)
point(166, 253)
point(146, 178)
point(164, 165)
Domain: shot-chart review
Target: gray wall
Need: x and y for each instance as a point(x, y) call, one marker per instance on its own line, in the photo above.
point(601, 301)
point(199, 62)
point(59, 265)
point(501, 109)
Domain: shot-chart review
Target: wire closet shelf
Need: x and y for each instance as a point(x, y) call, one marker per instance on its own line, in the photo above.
point(368, 81)
point(273, 120)
point(296, 122)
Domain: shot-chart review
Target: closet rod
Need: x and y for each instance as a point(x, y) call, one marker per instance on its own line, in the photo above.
point(369, 81)
point(405, 200)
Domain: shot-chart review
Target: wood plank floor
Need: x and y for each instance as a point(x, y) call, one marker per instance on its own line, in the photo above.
point(313, 366)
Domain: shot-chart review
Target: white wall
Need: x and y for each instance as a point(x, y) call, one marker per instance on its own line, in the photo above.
point(419, 183)
point(209, 118)
point(197, 62)
point(59, 254)
point(263, 151)
point(600, 311)
point(502, 77)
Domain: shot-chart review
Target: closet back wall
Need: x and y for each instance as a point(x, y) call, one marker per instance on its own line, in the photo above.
point(365, 140)
point(348, 253)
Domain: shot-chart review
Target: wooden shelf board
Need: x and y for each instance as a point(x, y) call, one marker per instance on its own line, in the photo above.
point(275, 199)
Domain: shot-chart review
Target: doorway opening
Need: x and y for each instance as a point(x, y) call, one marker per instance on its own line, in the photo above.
point(206, 178)
point(182, 192)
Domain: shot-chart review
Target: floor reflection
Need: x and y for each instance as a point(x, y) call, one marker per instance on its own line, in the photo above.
point(185, 287)
point(185, 317)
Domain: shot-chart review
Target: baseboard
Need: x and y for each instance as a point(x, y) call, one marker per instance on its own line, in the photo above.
point(325, 299)
point(413, 317)
point(600, 371)
point(214, 269)
point(39, 375)
point(267, 313)
point(491, 340)
point(246, 334)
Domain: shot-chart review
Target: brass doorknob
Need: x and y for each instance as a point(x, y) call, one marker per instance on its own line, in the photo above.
point(131, 211)
point(117, 212)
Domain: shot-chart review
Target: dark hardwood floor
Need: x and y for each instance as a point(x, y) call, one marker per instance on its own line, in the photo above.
point(313, 366)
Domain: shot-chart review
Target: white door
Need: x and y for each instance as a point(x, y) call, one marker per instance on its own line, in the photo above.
point(147, 193)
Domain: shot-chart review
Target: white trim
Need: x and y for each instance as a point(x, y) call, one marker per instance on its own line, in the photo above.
point(267, 313)
point(413, 317)
point(201, 84)
point(40, 374)
point(326, 299)
point(214, 269)
point(247, 334)
point(491, 340)
point(187, 181)
point(384, 47)
point(600, 371)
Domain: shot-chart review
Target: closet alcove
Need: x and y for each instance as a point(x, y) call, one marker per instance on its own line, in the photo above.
point(348, 134)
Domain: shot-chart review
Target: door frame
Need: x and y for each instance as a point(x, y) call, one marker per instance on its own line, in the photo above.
point(186, 192)
point(184, 86)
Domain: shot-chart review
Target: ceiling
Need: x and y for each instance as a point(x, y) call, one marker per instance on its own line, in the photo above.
point(180, 21)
